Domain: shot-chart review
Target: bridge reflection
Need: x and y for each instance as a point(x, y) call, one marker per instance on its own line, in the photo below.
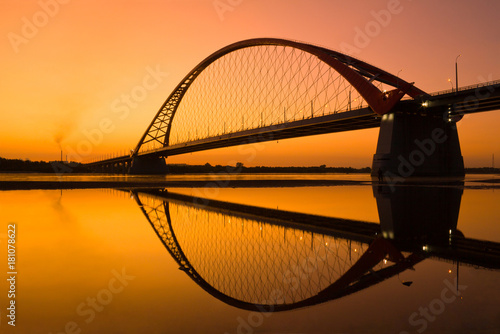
point(270, 260)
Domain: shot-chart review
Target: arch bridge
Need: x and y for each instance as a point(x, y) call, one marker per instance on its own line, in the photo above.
point(269, 89)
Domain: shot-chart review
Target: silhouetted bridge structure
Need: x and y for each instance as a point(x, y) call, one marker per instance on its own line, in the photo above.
point(265, 259)
point(270, 89)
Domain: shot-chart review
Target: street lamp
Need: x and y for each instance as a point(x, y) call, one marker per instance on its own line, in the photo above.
point(456, 73)
point(397, 78)
point(451, 83)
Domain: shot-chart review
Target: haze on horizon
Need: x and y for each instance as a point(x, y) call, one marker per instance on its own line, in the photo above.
point(69, 65)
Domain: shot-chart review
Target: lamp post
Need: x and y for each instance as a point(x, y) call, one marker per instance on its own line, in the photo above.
point(456, 73)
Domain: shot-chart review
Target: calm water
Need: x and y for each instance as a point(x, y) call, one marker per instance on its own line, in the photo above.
point(161, 261)
point(153, 178)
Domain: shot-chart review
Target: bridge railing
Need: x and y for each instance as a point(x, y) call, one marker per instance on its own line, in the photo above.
point(479, 85)
point(296, 117)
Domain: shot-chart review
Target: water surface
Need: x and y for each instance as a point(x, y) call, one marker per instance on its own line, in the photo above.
point(109, 261)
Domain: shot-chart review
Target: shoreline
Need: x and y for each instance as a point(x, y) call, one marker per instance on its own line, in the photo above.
point(47, 185)
point(273, 183)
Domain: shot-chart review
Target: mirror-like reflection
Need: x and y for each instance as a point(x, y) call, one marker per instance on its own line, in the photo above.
point(424, 217)
point(419, 211)
point(242, 258)
point(271, 260)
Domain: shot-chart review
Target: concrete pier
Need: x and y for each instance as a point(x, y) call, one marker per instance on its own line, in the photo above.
point(413, 144)
point(148, 165)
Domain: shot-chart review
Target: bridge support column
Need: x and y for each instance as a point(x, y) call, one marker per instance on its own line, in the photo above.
point(412, 144)
point(148, 165)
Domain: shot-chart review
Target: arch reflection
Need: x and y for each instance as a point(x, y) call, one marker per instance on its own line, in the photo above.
point(271, 260)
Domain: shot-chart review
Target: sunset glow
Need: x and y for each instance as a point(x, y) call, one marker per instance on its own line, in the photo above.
point(88, 77)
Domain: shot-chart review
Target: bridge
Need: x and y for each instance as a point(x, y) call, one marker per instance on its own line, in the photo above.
point(270, 89)
point(267, 260)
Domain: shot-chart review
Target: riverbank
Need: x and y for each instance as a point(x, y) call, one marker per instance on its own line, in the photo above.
point(34, 185)
point(228, 183)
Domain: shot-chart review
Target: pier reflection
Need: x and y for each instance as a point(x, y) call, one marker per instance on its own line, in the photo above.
point(422, 217)
point(271, 260)
point(414, 213)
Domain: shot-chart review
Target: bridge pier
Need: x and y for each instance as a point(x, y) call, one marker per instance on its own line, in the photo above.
point(148, 165)
point(123, 167)
point(414, 144)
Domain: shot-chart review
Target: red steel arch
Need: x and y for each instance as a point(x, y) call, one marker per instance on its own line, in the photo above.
point(359, 74)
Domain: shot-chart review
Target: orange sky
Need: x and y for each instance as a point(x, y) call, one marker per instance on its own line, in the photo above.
point(63, 67)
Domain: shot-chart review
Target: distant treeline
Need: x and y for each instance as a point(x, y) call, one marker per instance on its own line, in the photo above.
point(25, 166)
point(482, 170)
point(18, 165)
point(239, 168)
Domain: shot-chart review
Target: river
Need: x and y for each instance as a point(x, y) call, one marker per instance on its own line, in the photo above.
point(352, 258)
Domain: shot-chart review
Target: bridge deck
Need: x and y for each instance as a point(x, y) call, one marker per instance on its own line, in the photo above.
point(346, 121)
point(471, 99)
point(468, 100)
